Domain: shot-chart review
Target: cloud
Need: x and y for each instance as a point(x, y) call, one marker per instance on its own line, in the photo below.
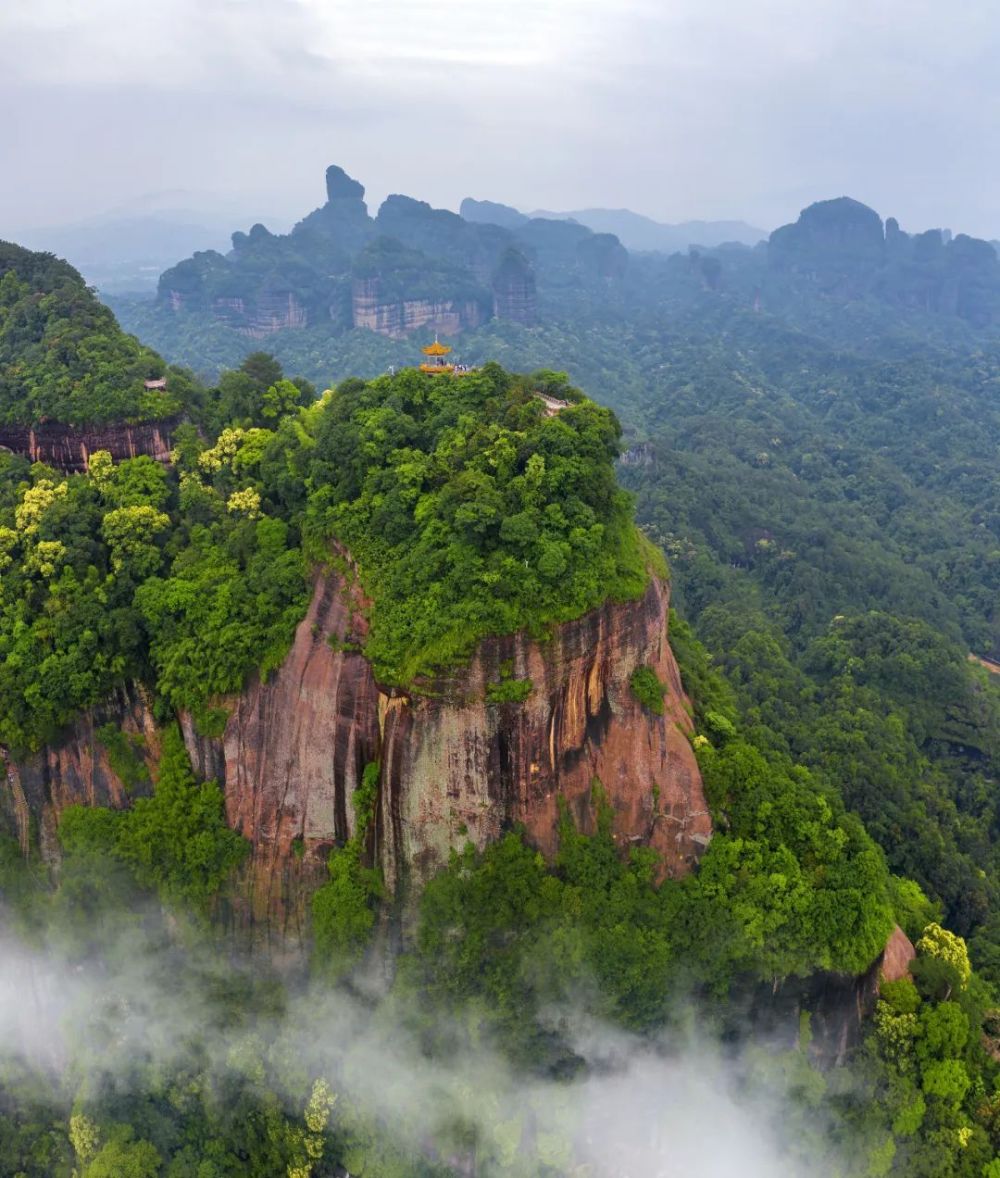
point(642, 1109)
point(677, 108)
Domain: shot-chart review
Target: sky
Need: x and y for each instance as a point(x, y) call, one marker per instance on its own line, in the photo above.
point(679, 109)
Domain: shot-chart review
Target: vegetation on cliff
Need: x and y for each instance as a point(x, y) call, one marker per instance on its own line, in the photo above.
point(467, 510)
point(64, 358)
point(175, 842)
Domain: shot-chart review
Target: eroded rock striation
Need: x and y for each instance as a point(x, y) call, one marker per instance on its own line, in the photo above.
point(457, 767)
point(69, 448)
point(398, 317)
point(454, 765)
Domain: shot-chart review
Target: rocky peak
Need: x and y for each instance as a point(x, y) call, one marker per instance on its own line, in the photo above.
point(343, 221)
point(340, 186)
point(837, 231)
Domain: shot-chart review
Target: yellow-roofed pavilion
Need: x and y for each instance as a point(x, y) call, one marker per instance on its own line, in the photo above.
point(436, 361)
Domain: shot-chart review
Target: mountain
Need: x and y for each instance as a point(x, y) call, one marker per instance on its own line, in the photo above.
point(637, 232)
point(382, 689)
point(633, 230)
point(64, 361)
point(407, 268)
point(842, 248)
point(518, 661)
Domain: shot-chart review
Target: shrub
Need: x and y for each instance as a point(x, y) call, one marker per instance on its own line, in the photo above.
point(647, 689)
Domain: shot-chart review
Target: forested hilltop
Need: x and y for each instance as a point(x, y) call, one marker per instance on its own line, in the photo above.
point(63, 357)
point(832, 540)
point(812, 431)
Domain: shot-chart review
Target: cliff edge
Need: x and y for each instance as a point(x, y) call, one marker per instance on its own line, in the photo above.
point(455, 767)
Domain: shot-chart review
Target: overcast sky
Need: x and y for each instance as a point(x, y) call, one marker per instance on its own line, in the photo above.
point(675, 108)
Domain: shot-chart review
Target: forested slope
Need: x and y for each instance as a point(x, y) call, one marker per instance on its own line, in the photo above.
point(821, 475)
point(63, 356)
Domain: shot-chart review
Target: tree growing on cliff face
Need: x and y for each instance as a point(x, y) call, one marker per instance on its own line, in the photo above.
point(344, 908)
point(176, 842)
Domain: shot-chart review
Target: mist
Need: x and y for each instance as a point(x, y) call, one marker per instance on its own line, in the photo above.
point(636, 1109)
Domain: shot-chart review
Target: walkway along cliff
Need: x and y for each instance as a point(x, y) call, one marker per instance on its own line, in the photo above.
point(454, 766)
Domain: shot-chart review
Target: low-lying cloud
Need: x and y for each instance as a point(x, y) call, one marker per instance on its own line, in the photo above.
point(637, 1109)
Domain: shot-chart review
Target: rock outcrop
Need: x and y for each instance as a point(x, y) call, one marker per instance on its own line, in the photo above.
point(69, 448)
point(841, 229)
point(454, 766)
point(397, 318)
point(514, 295)
point(408, 267)
point(837, 1003)
point(841, 247)
point(78, 770)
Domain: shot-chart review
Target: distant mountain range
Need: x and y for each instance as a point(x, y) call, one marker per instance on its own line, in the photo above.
point(128, 247)
point(633, 230)
point(410, 266)
point(344, 276)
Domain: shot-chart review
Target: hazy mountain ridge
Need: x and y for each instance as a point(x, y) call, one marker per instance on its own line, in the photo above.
point(410, 266)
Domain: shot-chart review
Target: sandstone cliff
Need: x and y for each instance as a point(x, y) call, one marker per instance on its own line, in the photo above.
point(397, 318)
point(838, 1004)
point(454, 767)
point(69, 448)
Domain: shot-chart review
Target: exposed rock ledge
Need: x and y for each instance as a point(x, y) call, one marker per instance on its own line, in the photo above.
point(68, 448)
point(837, 1003)
point(454, 767)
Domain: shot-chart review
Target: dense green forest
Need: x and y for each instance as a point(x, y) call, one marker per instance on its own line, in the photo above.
point(469, 512)
point(64, 358)
point(821, 474)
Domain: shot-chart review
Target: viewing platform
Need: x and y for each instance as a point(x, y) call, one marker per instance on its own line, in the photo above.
point(438, 364)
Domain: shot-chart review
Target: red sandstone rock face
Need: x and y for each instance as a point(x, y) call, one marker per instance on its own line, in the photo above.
point(77, 771)
point(895, 962)
point(293, 753)
point(69, 448)
point(454, 767)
